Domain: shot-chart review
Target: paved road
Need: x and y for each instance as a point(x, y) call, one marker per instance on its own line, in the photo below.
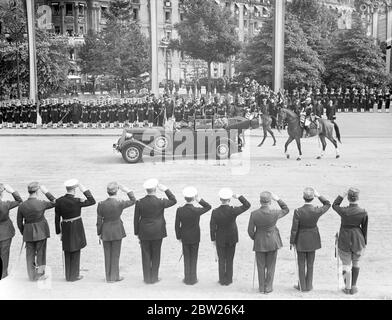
point(365, 163)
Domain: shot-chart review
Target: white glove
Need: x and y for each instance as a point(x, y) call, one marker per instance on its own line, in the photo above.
point(316, 194)
point(44, 189)
point(59, 236)
point(8, 188)
point(275, 197)
point(82, 188)
point(235, 196)
point(162, 187)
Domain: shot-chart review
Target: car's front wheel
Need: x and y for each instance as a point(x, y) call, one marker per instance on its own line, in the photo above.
point(132, 153)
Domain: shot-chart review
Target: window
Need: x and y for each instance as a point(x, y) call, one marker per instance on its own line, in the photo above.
point(167, 17)
point(181, 17)
point(81, 31)
point(57, 29)
point(135, 14)
point(70, 31)
point(72, 54)
point(55, 9)
point(81, 10)
point(103, 12)
point(69, 9)
point(245, 23)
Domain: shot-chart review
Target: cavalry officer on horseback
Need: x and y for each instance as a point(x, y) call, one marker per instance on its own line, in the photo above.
point(306, 115)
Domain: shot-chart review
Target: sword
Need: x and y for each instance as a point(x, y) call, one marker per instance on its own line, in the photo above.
point(254, 271)
point(337, 258)
point(296, 267)
point(181, 257)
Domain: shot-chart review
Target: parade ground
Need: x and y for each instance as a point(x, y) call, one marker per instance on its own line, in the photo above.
point(51, 157)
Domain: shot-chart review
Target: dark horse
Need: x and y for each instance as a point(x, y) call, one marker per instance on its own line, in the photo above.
point(265, 122)
point(324, 131)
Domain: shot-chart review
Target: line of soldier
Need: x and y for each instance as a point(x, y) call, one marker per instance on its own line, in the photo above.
point(151, 111)
point(150, 228)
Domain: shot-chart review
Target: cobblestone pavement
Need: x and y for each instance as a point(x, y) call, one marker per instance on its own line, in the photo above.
point(365, 163)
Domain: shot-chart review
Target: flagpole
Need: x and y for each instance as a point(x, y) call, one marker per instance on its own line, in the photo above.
point(32, 50)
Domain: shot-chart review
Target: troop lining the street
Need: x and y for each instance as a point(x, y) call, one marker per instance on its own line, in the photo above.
point(149, 110)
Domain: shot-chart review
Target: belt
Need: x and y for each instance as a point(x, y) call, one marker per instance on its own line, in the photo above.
point(72, 220)
point(307, 228)
point(350, 227)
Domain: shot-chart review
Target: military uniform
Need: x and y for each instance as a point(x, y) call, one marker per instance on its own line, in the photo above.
point(131, 114)
point(352, 238)
point(111, 230)
point(188, 232)
point(263, 231)
point(7, 230)
point(306, 237)
point(33, 226)
point(150, 227)
point(223, 230)
point(68, 210)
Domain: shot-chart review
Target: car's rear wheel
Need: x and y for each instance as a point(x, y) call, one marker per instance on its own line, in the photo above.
point(132, 153)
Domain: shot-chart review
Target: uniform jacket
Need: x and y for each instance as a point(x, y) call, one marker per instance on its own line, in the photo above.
point(353, 228)
point(262, 228)
point(149, 220)
point(7, 230)
point(223, 226)
point(304, 231)
point(31, 219)
point(70, 207)
point(109, 224)
point(187, 222)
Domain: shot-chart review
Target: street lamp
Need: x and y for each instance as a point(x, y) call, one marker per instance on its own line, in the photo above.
point(14, 39)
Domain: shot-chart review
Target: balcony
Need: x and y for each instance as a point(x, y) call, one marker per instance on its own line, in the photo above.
point(76, 40)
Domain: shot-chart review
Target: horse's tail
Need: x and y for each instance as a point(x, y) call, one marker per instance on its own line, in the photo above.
point(337, 130)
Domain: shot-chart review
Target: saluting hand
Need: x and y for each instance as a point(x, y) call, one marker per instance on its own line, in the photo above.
point(275, 197)
point(235, 196)
point(162, 187)
point(82, 187)
point(44, 189)
point(8, 188)
point(344, 194)
point(316, 194)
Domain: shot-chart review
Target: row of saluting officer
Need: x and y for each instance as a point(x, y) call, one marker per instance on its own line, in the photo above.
point(150, 227)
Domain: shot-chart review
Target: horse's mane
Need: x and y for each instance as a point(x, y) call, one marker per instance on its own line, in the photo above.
point(290, 112)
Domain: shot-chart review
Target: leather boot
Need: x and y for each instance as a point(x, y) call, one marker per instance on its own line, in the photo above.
point(355, 273)
point(347, 282)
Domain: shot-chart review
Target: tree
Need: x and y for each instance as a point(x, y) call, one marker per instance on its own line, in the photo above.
point(318, 22)
point(302, 64)
point(52, 58)
point(120, 50)
point(91, 56)
point(207, 32)
point(356, 60)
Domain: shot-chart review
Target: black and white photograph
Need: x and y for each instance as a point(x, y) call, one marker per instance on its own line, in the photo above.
point(207, 151)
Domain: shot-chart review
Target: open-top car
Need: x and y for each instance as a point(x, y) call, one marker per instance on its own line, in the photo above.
point(200, 139)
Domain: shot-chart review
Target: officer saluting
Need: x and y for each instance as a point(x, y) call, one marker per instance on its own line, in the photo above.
point(263, 231)
point(150, 227)
point(352, 237)
point(7, 230)
point(68, 208)
point(305, 236)
point(35, 229)
point(224, 233)
point(188, 231)
point(110, 228)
